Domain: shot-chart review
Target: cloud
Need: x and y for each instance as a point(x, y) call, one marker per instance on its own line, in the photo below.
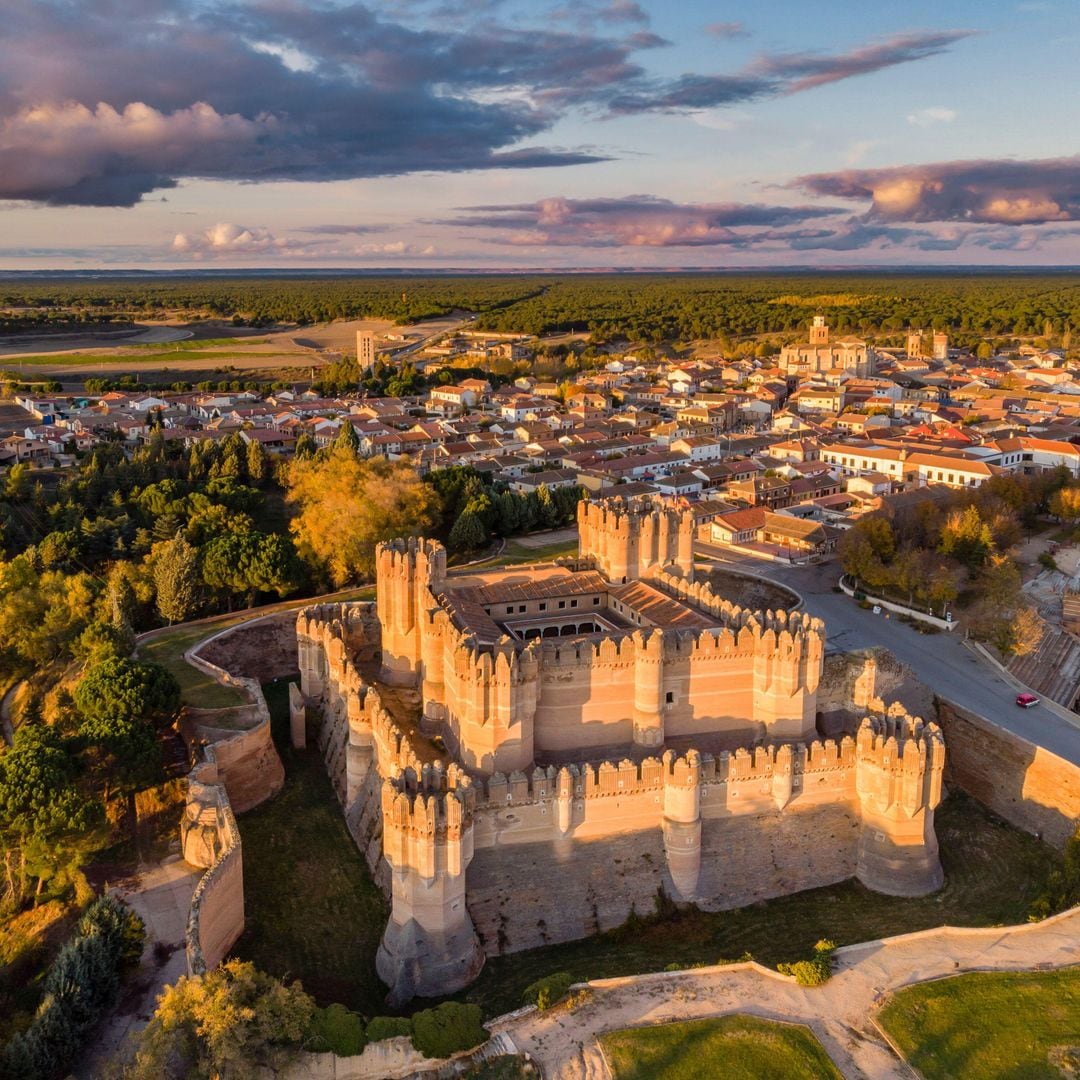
point(102, 102)
point(775, 74)
point(227, 240)
point(727, 30)
point(633, 221)
point(341, 230)
point(1001, 192)
point(935, 114)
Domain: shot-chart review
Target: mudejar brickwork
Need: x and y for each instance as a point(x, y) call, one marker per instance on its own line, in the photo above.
point(529, 755)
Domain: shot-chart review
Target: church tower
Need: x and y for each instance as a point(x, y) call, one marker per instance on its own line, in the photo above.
point(819, 331)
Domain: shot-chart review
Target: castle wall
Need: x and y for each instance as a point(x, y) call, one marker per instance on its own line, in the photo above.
point(1026, 784)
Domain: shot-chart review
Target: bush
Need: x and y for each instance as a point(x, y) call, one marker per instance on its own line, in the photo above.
point(1046, 560)
point(388, 1027)
point(447, 1029)
point(813, 972)
point(547, 991)
point(336, 1030)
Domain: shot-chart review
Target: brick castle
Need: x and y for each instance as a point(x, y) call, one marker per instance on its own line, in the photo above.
point(529, 755)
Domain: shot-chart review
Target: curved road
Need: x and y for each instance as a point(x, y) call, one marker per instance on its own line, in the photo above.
point(941, 661)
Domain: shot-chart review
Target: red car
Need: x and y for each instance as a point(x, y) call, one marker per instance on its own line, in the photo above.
point(1026, 701)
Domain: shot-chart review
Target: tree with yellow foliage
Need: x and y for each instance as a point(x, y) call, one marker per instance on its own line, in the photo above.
point(347, 505)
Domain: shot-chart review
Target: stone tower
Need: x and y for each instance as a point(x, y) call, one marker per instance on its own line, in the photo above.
point(409, 575)
point(365, 350)
point(629, 540)
point(429, 947)
point(819, 331)
point(941, 345)
point(899, 762)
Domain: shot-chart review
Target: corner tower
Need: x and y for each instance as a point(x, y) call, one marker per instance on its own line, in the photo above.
point(628, 540)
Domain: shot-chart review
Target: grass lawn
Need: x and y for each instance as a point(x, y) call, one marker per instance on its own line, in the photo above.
point(196, 689)
point(990, 1025)
point(993, 873)
point(313, 911)
point(727, 1048)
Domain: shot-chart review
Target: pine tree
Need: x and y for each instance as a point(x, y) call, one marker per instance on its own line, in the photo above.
point(176, 579)
point(347, 439)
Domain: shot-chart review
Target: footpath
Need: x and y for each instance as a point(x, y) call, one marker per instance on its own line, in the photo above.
point(840, 1013)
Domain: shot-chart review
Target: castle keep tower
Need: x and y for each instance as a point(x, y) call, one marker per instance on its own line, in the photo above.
point(628, 540)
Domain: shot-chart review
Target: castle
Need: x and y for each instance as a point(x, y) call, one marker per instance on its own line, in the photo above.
point(531, 754)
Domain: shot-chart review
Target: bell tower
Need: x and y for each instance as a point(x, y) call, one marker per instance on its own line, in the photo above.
point(819, 331)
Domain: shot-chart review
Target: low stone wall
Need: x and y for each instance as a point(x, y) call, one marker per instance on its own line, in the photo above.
point(1028, 786)
point(210, 838)
point(900, 609)
point(247, 761)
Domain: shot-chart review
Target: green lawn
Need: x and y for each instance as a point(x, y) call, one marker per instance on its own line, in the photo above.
point(727, 1048)
point(993, 873)
point(313, 911)
point(197, 689)
point(994, 1026)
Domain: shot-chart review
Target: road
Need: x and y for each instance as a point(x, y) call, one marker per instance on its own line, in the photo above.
point(941, 661)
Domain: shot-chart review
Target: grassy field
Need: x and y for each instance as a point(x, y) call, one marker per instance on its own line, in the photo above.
point(197, 689)
point(995, 1026)
point(993, 873)
point(727, 1048)
point(313, 911)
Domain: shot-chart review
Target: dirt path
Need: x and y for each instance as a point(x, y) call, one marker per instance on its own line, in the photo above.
point(839, 1013)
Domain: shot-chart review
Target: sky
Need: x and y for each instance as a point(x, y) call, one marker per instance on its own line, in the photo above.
point(501, 134)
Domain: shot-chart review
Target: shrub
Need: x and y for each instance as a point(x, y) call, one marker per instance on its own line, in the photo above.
point(337, 1030)
point(813, 972)
point(547, 991)
point(388, 1027)
point(447, 1029)
point(1046, 560)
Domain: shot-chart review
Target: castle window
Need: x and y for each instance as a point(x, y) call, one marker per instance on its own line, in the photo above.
point(521, 609)
point(573, 603)
point(670, 698)
point(543, 607)
point(562, 603)
point(595, 600)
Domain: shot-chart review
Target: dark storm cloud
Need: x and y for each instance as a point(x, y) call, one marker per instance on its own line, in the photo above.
point(992, 192)
point(103, 101)
point(633, 221)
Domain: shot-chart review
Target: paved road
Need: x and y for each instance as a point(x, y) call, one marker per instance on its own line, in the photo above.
point(942, 661)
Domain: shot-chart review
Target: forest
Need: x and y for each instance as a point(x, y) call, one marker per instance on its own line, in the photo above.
point(635, 307)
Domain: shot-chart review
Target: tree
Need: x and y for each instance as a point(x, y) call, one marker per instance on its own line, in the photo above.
point(966, 537)
point(305, 446)
point(346, 506)
point(43, 815)
point(176, 579)
point(1027, 631)
point(347, 439)
point(258, 466)
point(119, 688)
point(233, 1022)
point(1065, 505)
point(250, 563)
point(468, 532)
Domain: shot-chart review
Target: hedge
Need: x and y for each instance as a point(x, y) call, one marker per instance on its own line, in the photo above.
point(336, 1030)
point(448, 1029)
point(549, 990)
point(388, 1027)
point(813, 972)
